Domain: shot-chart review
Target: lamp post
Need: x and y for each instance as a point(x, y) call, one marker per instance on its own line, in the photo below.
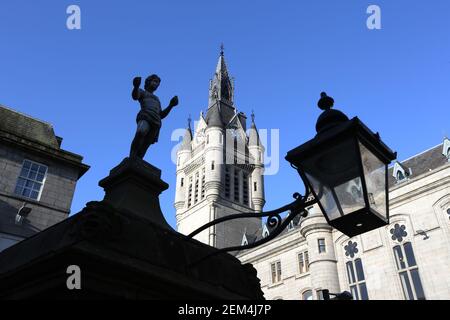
point(344, 171)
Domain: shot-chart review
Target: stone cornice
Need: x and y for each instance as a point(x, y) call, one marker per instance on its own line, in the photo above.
point(419, 192)
point(34, 202)
point(60, 155)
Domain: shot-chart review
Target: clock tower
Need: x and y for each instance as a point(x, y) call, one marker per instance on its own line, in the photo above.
point(220, 168)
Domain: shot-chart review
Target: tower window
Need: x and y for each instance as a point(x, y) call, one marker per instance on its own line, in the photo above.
point(212, 165)
point(245, 188)
point(255, 186)
point(236, 185)
point(31, 180)
point(196, 188)
point(207, 139)
point(227, 182)
point(190, 193)
point(321, 245)
point(203, 183)
point(182, 182)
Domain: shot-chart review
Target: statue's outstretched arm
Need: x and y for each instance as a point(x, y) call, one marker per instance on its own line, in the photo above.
point(173, 102)
point(136, 93)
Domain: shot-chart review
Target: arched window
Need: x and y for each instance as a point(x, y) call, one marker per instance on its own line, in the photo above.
point(355, 272)
point(307, 295)
point(400, 176)
point(407, 267)
point(357, 280)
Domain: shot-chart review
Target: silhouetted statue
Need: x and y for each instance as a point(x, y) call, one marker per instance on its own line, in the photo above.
point(149, 118)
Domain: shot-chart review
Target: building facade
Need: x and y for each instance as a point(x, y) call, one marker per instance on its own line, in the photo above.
point(409, 259)
point(220, 168)
point(37, 177)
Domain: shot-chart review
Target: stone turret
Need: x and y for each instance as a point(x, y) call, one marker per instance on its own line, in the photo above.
point(183, 155)
point(256, 150)
point(322, 257)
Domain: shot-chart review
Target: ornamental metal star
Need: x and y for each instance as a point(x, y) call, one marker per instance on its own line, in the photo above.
point(398, 232)
point(351, 249)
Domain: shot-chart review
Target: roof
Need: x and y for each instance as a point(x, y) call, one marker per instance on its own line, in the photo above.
point(27, 127)
point(424, 162)
point(36, 136)
point(213, 117)
point(187, 139)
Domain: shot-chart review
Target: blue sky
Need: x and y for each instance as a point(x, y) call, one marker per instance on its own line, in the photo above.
point(281, 53)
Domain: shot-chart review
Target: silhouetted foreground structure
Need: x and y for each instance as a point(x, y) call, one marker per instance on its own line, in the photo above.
point(125, 249)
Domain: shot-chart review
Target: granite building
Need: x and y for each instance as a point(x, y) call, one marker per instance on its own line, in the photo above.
point(409, 259)
point(219, 168)
point(37, 177)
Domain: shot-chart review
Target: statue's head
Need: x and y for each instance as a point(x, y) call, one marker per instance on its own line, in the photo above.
point(152, 83)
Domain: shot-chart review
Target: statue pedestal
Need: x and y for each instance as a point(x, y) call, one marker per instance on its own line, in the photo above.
point(125, 250)
point(134, 186)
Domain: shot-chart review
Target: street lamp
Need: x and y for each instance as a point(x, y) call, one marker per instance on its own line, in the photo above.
point(344, 170)
point(345, 165)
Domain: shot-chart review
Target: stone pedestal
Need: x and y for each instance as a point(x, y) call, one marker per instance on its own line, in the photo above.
point(134, 186)
point(125, 250)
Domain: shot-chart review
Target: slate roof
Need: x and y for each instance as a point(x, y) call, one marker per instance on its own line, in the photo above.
point(27, 127)
point(36, 136)
point(424, 162)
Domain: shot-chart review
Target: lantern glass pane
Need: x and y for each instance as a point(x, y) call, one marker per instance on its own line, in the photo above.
point(350, 195)
point(325, 197)
point(375, 176)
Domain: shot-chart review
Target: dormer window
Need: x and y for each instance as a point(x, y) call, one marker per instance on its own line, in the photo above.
point(446, 148)
point(400, 172)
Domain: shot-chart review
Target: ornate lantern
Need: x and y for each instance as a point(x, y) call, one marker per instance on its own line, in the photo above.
point(345, 166)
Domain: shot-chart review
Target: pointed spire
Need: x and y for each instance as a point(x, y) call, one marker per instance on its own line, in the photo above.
point(187, 139)
point(221, 87)
point(253, 139)
point(189, 122)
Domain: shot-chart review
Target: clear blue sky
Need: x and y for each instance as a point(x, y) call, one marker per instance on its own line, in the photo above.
point(282, 54)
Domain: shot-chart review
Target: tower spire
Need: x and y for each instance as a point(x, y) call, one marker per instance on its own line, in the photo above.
point(221, 87)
